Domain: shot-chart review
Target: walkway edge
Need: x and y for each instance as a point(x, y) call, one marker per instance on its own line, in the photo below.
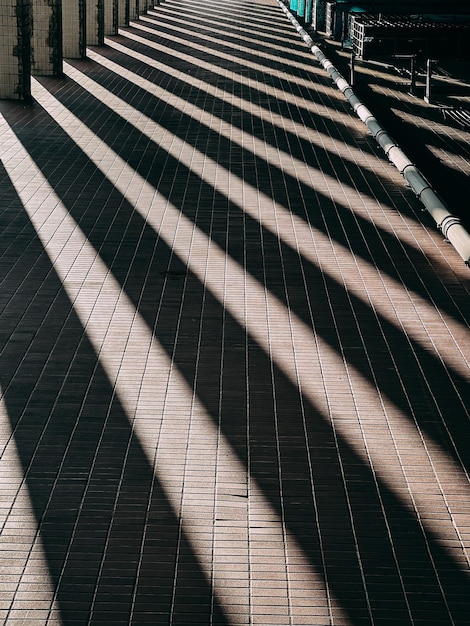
point(448, 224)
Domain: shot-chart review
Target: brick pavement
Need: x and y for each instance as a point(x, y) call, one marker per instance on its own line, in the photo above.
point(234, 352)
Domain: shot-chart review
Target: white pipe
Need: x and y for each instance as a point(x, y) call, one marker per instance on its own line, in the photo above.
point(449, 224)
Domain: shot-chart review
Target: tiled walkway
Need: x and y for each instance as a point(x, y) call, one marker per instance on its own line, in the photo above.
point(233, 349)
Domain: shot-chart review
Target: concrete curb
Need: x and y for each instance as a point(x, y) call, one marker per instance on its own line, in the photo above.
point(447, 223)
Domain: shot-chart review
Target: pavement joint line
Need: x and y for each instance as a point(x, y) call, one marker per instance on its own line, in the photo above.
point(295, 232)
point(280, 347)
point(107, 314)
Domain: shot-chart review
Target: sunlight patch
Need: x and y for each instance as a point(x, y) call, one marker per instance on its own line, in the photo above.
point(157, 400)
point(302, 355)
point(22, 556)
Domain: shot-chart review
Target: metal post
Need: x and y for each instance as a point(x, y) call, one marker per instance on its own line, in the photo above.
point(352, 67)
point(301, 8)
point(293, 5)
point(413, 76)
point(427, 96)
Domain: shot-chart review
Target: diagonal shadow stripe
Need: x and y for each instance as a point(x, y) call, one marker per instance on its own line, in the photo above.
point(273, 101)
point(184, 362)
point(265, 128)
point(241, 62)
point(318, 209)
point(342, 225)
point(256, 12)
point(366, 181)
point(99, 186)
point(283, 78)
point(368, 368)
point(440, 175)
point(384, 104)
point(224, 41)
point(255, 28)
point(115, 549)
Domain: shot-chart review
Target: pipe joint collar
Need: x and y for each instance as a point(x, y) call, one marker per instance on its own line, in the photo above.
point(447, 223)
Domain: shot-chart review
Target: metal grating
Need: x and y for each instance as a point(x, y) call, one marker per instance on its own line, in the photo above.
point(382, 36)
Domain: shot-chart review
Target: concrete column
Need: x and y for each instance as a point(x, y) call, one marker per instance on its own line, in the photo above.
point(73, 29)
point(142, 6)
point(110, 17)
point(123, 13)
point(46, 38)
point(95, 22)
point(15, 51)
point(133, 9)
point(318, 15)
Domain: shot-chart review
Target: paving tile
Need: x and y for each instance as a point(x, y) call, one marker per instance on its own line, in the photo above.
point(234, 352)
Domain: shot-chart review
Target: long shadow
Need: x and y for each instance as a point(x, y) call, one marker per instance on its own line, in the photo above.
point(316, 156)
point(383, 108)
point(244, 36)
point(236, 63)
point(260, 14)
point(259, 127)
point(298, 114)
point(255, 13)
point(356, 516)
point(317, 209)
point(211, 48)
point(200, 25)
point(84, 431)
point(240, 8)
point(198, 36)
point(385, 347)
point(115, 550)
point(431, 166)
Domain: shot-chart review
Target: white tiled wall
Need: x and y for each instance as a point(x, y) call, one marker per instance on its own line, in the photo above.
point(94, 22)
point(73, 28)
point(122, 12)
point(14, 69)
point(54, 29)
point(110, 17)
point(46, 48)
point(133, 11)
